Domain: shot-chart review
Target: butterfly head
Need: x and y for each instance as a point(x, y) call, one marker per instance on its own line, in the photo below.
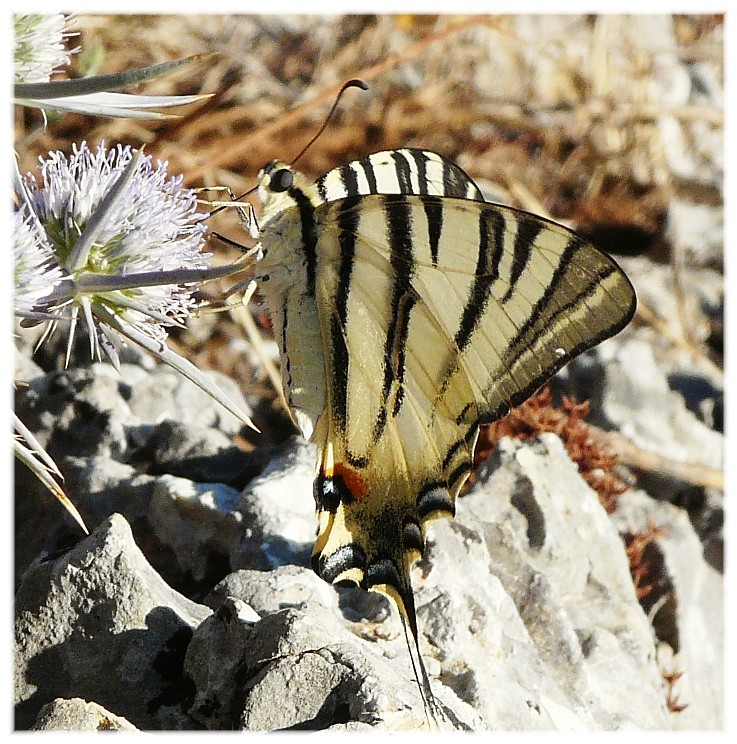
point(279, 187)
point(276, 177)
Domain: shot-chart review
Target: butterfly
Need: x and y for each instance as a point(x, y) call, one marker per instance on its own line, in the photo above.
point(408, 312)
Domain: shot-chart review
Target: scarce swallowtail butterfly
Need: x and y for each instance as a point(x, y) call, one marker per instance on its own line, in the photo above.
point(408, 312)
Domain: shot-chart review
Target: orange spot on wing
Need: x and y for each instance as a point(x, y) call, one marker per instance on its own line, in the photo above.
point(353, 480)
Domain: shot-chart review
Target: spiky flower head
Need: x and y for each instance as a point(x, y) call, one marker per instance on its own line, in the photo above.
point(149, 228)
point(38, 46)
point(36, 272)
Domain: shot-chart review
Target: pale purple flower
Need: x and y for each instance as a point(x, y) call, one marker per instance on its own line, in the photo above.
point(151, 227)
point(38, 46)
point(36, 272)
point(127, 253)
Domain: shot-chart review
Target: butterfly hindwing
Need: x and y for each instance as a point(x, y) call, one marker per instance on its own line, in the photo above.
point(424, 349)
point(406, 171)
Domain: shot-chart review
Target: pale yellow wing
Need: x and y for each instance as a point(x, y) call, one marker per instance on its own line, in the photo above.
point(430, 327)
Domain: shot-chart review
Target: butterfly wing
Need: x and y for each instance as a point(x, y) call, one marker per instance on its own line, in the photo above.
point(406, 171)
point(289, 238)
point(408, 312)
point(431, 327)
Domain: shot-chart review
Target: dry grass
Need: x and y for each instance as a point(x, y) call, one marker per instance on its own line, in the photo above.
point(560, 108)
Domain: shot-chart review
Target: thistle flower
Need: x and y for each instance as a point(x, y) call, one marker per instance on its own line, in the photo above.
point(106, 234)
point(39, 46)
point(36, 272)
point(153, 226)
point(126, 251)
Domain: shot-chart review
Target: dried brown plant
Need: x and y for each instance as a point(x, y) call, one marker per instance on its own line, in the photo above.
point(585, 445)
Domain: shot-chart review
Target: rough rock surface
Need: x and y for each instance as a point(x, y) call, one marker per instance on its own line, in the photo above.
point(340, 679)
point(100, 624)
point(190, 606)
point(528, 615)
point(570, 636)
point(114, 461)
point(78, 715)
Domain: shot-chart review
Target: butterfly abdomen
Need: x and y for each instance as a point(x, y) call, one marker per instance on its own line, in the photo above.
point(287, 282)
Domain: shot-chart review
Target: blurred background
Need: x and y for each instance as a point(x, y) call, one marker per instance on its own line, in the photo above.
point(610, 124)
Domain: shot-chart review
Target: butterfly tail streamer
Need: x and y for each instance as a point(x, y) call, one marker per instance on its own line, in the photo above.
point(359, 547)
point(408, 617)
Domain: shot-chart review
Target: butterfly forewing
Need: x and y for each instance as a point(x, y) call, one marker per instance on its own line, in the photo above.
point(405, 171)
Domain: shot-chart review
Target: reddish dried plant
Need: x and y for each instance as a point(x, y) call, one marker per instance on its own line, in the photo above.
point(653, 586)
point(595, 459)
point(646, 564)
point(671, 700)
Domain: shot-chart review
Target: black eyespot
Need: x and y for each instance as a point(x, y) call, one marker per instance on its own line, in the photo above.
point(345, 558)
point(281, 180)
point(412, 537)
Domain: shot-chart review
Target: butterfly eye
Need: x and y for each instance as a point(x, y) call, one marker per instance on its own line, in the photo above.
point(282, 180)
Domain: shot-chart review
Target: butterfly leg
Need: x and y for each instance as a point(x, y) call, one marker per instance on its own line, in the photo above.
point(245, 210)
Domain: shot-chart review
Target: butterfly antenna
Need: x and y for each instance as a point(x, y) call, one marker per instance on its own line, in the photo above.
point(355, 83)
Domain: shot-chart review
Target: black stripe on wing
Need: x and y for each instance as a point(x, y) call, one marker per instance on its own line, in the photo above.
point(370, 174)
point(527, 230)
point(433, 206)
point(399, 350)
point(491, 246)
point(286, 364)
point(345, 558)
point(420, 158)
point(349, 178)
point(542, 313)
point(404, 175)
point(398, 212)
point(347, 219)
point(435, 499)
